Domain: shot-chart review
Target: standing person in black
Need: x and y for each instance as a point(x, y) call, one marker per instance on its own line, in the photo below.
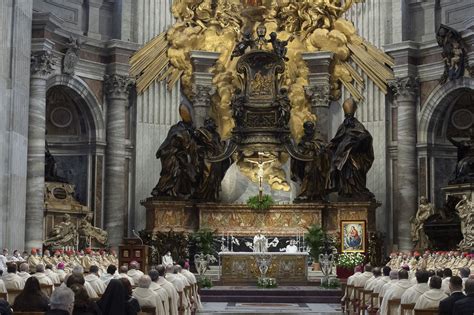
point(82, 303)
point(5, 308)
point(132, 303)
point(116, 299)
point(446, 306)
point(465, 306)
point(31, 299)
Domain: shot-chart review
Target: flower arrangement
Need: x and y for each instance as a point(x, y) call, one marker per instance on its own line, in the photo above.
point(330, 283)
point(204, 282)
point(266, 283)
point(257, 204)
point(350, 260)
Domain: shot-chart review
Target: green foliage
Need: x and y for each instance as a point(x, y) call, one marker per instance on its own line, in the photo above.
point(330, 283)
point(267, 283)
point(161, 243)
point(204, 241)
point(265, 204)
point(315, 240)
point(204, 282)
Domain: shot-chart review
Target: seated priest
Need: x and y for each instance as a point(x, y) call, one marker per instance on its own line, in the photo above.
point(446, 306)
point(412, 294)
point(51, 274)
point(94, 281)
point(123, 273)
point(23, 273)
point(11, 280)
point(183, 302)
point(170, 289)
point(388, 285)
point(395, 292)
point(432, 297)
point(159, 290)
point(466, 305)
point(147, 297)
point(41, 275)
point(134, 271)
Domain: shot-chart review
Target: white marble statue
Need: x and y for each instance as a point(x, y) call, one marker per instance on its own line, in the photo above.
point(418, 236)
point(465, 209)
point(260, 243)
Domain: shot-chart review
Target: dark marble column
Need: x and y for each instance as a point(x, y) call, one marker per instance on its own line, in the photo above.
point(406, 93)
point(41, 69)
point(117, 88)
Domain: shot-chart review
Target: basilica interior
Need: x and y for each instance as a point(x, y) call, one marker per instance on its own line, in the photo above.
point(238, 156)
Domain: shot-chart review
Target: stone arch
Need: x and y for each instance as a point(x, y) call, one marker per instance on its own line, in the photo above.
point(437, 105)
point(86, 98)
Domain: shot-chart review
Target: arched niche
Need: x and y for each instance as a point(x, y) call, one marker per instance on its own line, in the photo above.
point(76, 138)
point(448, 111)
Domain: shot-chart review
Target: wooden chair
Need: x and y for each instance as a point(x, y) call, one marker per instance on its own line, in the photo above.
point(356, 300)
point(95, 299)
point(29, 313)
point(347, 300)
point(12, 294)
point(365, 300)
point(3, 296)
point(374, 306)
point(392, 304)
point(47, 289)
point(430, 311)
point(407, 308)
point(148, 310)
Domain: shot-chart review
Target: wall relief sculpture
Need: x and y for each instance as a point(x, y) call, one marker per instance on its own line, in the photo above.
point(454, 53)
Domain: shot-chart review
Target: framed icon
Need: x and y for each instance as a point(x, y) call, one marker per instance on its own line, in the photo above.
point(125, 253)
point(353, 236)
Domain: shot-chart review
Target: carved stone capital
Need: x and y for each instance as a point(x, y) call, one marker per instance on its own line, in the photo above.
point(319, 96)
point(405, 87)
point(117, 86)
point(202, 95)
point(41, 63)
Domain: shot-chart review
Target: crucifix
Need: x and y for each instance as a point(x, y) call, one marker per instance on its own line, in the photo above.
point(260, 163)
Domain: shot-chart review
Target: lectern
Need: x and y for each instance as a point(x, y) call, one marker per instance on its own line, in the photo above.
point(133, 249)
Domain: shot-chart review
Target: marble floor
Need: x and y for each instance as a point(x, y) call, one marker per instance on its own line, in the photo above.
point(216, 308)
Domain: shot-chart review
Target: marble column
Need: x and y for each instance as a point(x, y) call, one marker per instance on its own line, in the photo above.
point(41, 68)
point(318, 90)
point(405, 91)
point(203, 89)
point(117, 88)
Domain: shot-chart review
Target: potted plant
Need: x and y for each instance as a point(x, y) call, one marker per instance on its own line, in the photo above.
point(315, 240)
point(204, 244)
point(346, 262)
point(260, 204)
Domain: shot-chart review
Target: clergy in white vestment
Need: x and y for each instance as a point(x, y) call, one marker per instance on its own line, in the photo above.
point(447, 274)
point(159, 290)
point(111, 274)
point(171, 276)
point(146, 297)
point(361, 280)
point(79, 271)
point(380, 282)
point(3, 289)
point(395, 292)
point(170, 289)
point(370, 284)
point(192, 280)
point(23, 273)
point(350, 281)
point(60, 271)
point(11, 280)
point(134, 272)
point(412, 294)
point(51, 274)
point(16, 257)
point(3, 260)
point(388, 285)
point(123, 270)
point(41, 276)
point(187, 285)
point(432, 297)
point(94, 281)
point(167, 260)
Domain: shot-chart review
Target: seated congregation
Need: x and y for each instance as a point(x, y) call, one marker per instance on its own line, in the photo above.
point(405, 291)
point(169, 289)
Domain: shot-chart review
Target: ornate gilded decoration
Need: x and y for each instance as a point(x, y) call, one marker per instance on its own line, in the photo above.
point(418, 236)
point(261, 85)
point(90, 232)
point(63, 234)
point(215, 26)
point(465, 209)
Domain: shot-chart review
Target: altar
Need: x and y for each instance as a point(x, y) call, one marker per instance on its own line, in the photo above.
point(242, 267)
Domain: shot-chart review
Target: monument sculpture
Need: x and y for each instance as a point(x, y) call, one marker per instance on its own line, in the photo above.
point(418, 236)
point(63, 234)
point(465, 209)
point(454, 53)
point(91, 233)
point(464, 172)
point(352, 156)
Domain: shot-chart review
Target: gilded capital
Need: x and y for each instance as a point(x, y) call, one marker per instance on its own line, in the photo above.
point(319, 96)
point(41, 63)
point(117, 86)
point(405, 87)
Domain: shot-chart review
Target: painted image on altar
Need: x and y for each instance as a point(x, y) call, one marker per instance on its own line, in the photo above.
point(353, 236)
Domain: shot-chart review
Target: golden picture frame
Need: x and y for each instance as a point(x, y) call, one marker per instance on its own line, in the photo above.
point(353, 236)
